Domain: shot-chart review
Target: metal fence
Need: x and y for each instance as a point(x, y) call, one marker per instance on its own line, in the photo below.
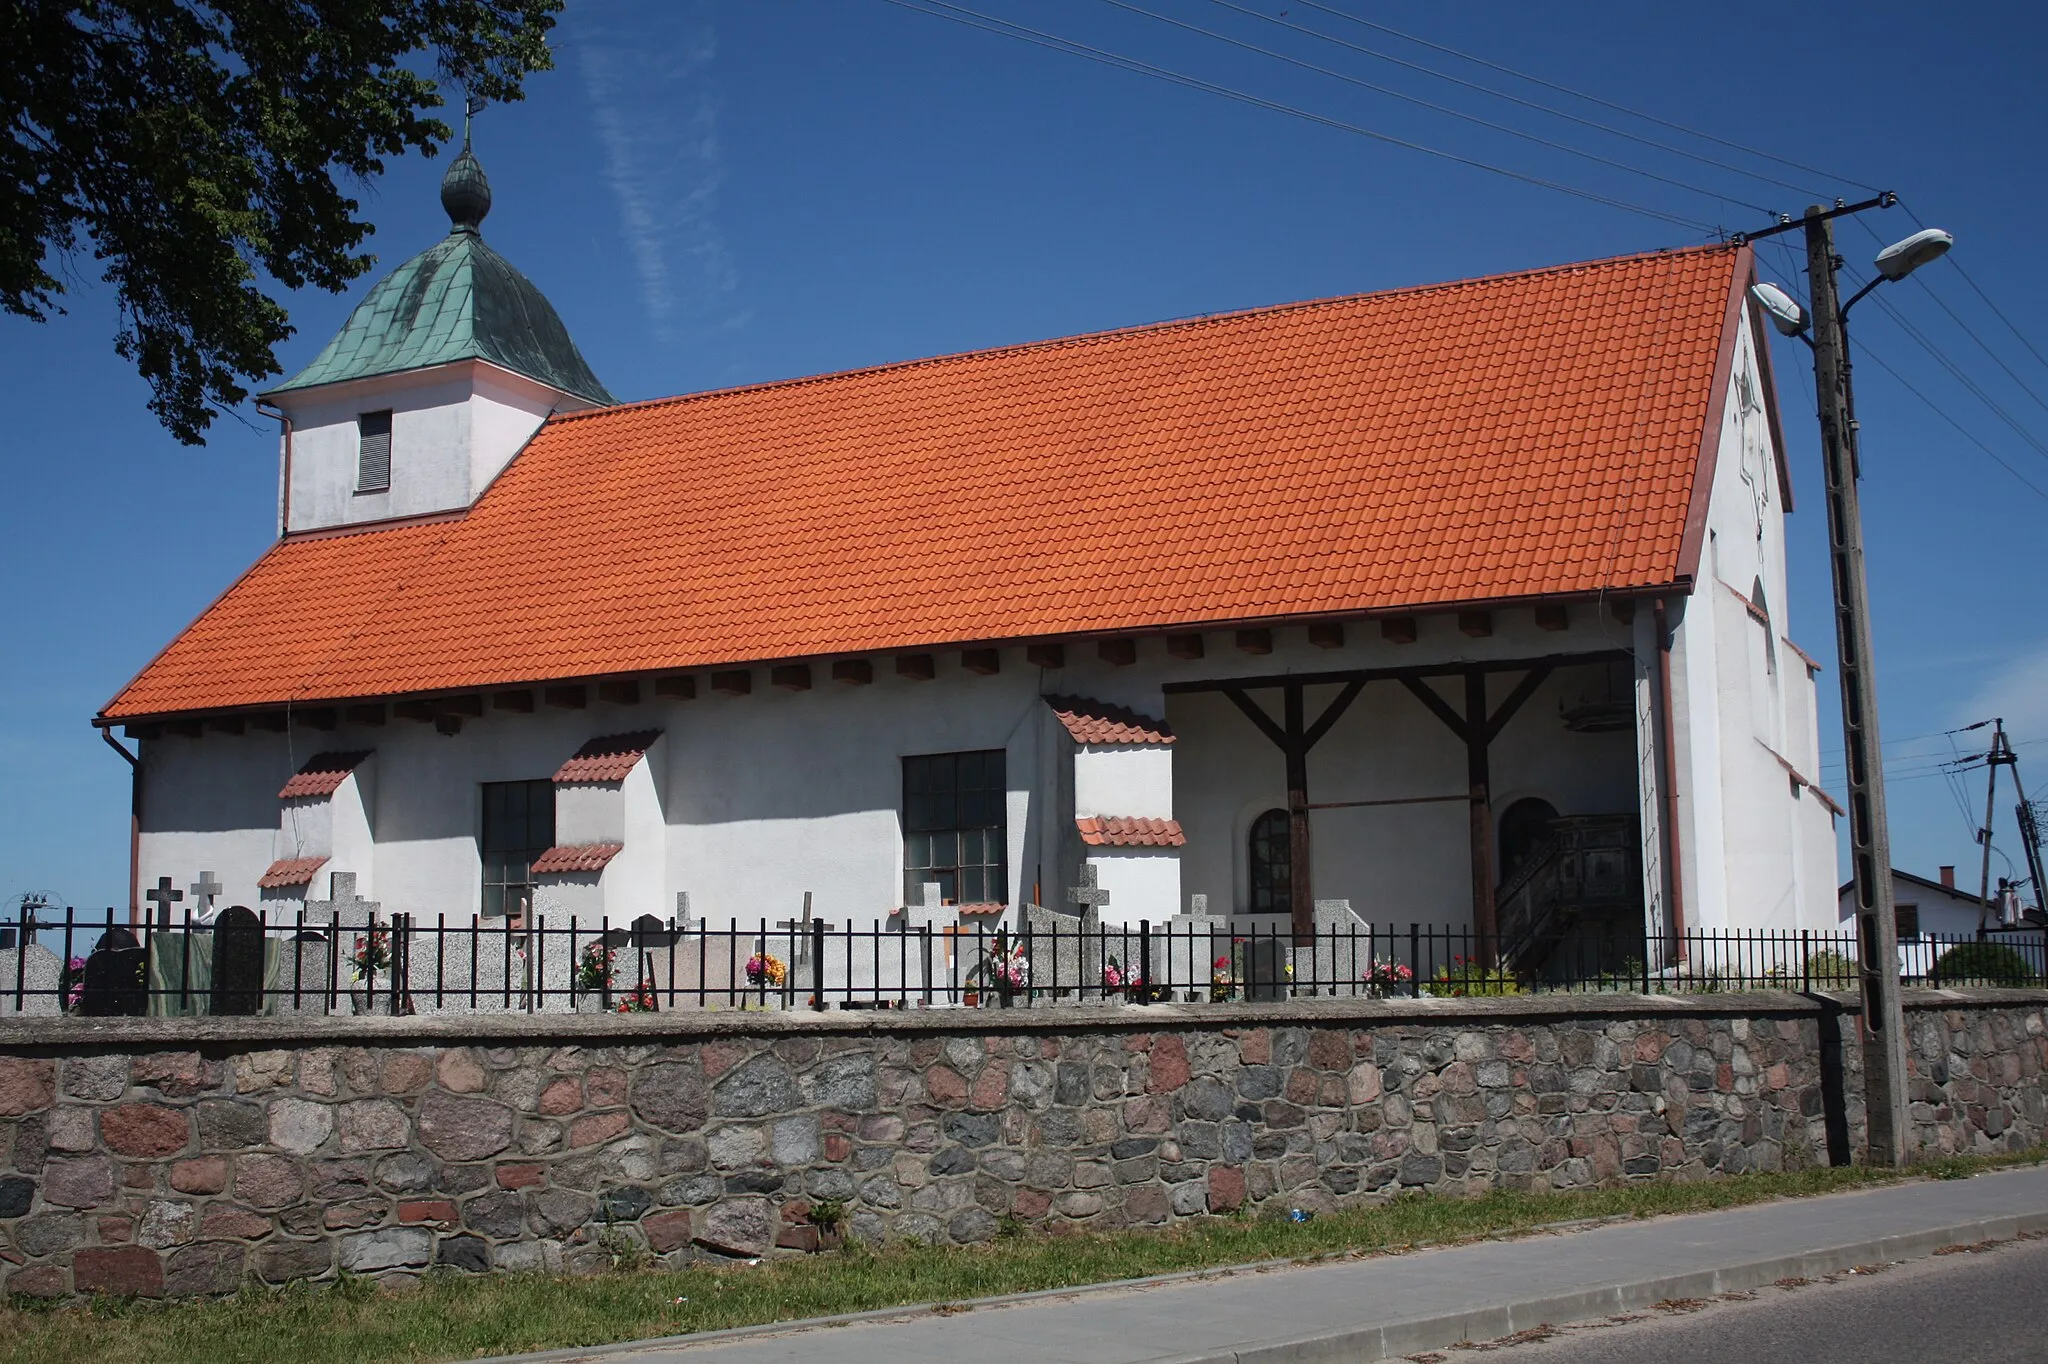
point(245, 963)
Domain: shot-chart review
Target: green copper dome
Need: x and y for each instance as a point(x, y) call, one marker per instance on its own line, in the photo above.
point(457, 300)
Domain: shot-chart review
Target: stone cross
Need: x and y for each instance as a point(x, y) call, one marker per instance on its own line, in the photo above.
point(163, 897)
point(683, 922)
point(924, 912)
point(1087, 893)
point(203, 890)
point(341, 899)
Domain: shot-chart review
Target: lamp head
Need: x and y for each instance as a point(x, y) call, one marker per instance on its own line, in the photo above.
point(1901, 259)
point(1784, 310)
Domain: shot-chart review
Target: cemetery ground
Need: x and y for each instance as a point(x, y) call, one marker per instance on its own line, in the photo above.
point(447, 1316)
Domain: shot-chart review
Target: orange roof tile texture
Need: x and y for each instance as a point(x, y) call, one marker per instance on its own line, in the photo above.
point(1505, 437)
point(1099, 722)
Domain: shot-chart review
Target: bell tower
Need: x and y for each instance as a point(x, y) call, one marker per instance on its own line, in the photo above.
point(439, 378)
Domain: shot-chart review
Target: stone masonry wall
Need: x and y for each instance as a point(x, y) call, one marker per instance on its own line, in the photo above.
point(182, 1157)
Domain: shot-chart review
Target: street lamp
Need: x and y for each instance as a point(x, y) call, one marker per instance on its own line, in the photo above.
point(1870, 859)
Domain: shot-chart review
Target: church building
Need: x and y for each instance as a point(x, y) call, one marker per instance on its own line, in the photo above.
point(1396, 599)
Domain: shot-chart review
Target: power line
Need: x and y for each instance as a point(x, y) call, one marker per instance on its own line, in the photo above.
point(1938, 411)
point(1956, 372)
point(958, 14)
point(1996, 311)
point(1967, 329)
point(1580, 94)
point(1552, 110)
point(1427, 104)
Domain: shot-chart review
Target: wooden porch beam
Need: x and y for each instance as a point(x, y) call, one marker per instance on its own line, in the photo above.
point(1438, 707)
point(1446, 669)
point(1479, 778)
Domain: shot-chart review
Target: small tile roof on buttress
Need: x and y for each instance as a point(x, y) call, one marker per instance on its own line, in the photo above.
point(1527, 435)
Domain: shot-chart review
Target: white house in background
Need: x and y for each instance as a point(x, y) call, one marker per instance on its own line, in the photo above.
point(1932, 915)
point(1419, 599)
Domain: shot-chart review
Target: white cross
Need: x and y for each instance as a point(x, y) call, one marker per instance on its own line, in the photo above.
point(203, 890)
point(1087, 893)
point(341, 899)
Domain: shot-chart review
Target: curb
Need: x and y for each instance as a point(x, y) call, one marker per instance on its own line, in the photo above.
point(1395, 1339)
point(1391, 1340)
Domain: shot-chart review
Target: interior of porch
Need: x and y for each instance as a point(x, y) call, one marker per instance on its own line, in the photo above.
point(1501, 798)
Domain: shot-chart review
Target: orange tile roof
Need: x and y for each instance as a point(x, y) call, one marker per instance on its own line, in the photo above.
point(1522, 435)
point(576, 857)
point(608, 758)
point(1098, 722)
point(1126, 831)
point(322, 775)
point(290, 871)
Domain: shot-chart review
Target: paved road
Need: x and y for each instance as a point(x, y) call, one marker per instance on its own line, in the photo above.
point(1397, 1304)
point(1986, 1308)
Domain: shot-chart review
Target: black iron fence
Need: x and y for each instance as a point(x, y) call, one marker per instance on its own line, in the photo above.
point(245, 963)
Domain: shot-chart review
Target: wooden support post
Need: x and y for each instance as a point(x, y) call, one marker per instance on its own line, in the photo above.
point(1184, 646)
point(1301, 895)
point(1478, 778)
point(1118, 653)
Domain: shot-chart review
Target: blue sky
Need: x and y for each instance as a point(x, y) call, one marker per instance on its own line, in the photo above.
point(722, 191)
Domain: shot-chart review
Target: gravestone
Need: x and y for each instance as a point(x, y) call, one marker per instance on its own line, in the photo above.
point(1059, 950)
point(342, 908)
point(1184, 953)
point(39, 974)
point(238, 976)
point(302, 966)
point(1340, 955)
point(116, 976)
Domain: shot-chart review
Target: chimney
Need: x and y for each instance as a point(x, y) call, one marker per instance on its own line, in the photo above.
point(1948, 878)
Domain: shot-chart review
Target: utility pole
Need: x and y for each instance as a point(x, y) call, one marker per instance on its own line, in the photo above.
point(1993, 760)
point(1870, 854)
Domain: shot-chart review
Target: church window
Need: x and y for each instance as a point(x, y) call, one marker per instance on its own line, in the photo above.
point(519, 825)
point(954, 830)
point(373, 452)
point(1271, 862)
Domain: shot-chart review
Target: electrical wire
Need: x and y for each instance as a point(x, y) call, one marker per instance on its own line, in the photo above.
point(1996, 311)
point(1426, 104)
point(1580, 94)
point(1921, 278)
point(1552, 110)
point(958, 14)
point(1956, 372)
point(1939, 411)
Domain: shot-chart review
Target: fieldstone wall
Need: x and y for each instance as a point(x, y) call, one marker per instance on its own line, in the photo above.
point(181, 1157)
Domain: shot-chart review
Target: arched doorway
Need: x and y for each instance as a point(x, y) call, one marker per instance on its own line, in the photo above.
point(1524, 828)
point(1268, 856)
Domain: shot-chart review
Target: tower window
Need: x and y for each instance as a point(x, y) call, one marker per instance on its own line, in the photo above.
point(373, 452)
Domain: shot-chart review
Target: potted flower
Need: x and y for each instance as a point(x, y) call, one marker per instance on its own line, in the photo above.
point(638, 1000)
point(593, 980)
point(370, 956)
point(765, 972)
point(1384, 979)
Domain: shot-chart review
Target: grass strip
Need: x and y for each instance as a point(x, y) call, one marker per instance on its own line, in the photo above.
point(447, 1316)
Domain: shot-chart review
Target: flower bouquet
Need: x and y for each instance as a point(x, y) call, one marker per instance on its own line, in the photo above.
point(1385, 979)
point(640, 1000)
point(74, 983)
point(594, 968)
point(766, 970)
point(372, 954)
point(1118, 979)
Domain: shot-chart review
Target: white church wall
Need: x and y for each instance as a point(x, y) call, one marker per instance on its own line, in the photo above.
point(1133, 780)
point(1750, 838)
point(776, 793)
point(1400, 863)
point(210, 804)
point(590, 812)
point(633, 881)
point(504, 412)
point(1143, 883)
point(305, 828)
point(354, 838)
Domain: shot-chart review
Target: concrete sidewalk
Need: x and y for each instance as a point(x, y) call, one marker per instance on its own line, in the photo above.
point(1388, 1306)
